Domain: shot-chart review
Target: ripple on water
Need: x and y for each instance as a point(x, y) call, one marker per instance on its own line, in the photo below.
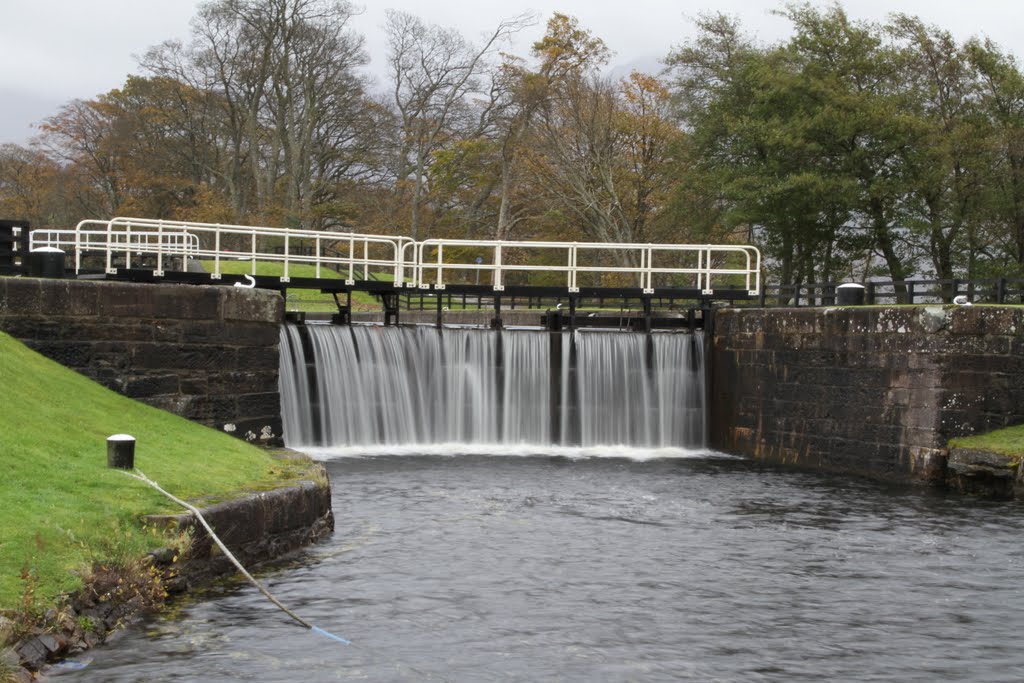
point(592, 568)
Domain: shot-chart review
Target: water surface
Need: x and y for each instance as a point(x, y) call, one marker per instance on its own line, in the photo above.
point(485, 568)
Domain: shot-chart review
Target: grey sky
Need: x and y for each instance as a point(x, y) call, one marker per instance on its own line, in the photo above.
point(57, 50)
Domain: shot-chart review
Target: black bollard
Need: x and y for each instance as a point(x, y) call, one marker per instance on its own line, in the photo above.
point(850, 294)
point(46, 262)
point(121, 451)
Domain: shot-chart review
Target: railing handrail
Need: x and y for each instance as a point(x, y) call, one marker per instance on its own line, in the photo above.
point(253, 232)
point(410, 261)
point(704, 269)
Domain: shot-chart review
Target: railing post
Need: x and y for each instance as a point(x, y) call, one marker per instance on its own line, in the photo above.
point(128, 246)
point(78, 248)
point(647, 276)
point(1001, 290)
point(574, 285)
point(316, 244)
point(159, 249)
point(498, 284)
point(284, 275)
point(440, 267)
point(351, 261)
point(216, 254)
point(700, 270)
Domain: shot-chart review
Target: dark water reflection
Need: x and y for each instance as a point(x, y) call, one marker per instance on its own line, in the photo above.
point(526, 569)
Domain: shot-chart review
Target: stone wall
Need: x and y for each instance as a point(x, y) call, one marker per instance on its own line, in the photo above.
point(872, 390)
point(207, 353)
point(256, 527)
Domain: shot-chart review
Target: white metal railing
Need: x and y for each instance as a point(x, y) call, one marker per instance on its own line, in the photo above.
point(706, 264)
point(430, 264)
point(82, 240)
point(344, 252)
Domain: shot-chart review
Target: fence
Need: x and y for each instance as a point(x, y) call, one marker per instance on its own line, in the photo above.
point(1003, 290)
point(163, 246)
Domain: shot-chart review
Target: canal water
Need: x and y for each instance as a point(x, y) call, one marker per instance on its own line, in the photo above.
point(612, 565)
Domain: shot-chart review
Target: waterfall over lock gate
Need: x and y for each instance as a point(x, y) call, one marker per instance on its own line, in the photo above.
point(352, 386)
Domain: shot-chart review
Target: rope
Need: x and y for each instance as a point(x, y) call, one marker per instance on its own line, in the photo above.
point(138, 474)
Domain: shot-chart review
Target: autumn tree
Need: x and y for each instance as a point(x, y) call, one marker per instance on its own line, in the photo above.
point(81, 137)
point(566, 53)
point(604, 154)
point(32, 187)
point(294, 118)
point(435, 73)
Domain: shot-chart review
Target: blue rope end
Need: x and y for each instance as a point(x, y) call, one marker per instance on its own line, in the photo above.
point(317, 629)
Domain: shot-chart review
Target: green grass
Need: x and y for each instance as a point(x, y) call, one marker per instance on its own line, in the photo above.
point(301, 299)
point(1008, 441)
point(270, 269)
point(63, 509)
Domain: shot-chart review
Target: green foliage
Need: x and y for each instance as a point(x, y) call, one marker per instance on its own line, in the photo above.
point(853, 141)
point(64, 510)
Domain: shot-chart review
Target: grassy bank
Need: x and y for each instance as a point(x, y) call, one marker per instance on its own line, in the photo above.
point(1008, 442)
point(63, 509)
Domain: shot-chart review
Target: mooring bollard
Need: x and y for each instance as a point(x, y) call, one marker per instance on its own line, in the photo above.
point(121, 451)
point(850, 294)
point(46, 262)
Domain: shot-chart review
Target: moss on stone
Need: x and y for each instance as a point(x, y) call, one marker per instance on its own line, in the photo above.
point(1008, 442)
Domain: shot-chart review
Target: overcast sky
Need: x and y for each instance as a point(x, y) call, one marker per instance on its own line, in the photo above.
point(57, 50)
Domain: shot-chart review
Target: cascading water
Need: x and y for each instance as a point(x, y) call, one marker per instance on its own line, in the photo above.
point(367, 386)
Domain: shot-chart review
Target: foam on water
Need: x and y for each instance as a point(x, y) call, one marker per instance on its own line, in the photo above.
point(514, 450)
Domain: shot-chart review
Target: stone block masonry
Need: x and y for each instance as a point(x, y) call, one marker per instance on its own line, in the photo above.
point(207, 353)
point(870, 390)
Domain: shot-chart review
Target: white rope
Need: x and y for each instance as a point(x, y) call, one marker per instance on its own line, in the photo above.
point(138, 474)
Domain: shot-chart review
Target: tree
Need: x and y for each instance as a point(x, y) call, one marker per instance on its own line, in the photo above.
point(31, 188)
point(853, 140)
point(166, 150)
point(950, 168)
point(434, 73)
point(753, 120)
point(1001, 98)
point(807, 138)
point(81, 137)
point(604, 155)
point(566, 53)
point(294, 116)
